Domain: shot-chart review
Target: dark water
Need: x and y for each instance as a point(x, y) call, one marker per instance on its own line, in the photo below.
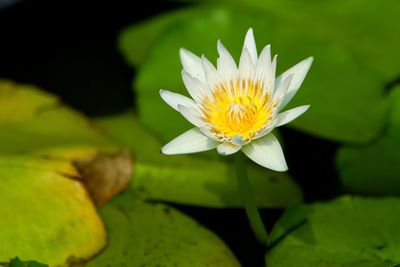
point(70, 50)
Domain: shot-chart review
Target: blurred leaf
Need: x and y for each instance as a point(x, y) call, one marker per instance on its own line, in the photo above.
point(18, 263)
point(193, 180)
point(371, 36)
point(143, 234)
point(346, 232)
point(349, 110)
point(374, 169)
point(136, 40)
point(46, 213)
point(32, 121)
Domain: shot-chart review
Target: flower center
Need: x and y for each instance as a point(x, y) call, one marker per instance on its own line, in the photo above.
point(237, 108)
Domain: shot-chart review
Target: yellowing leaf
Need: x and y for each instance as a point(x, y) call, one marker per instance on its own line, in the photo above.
point(46, 214)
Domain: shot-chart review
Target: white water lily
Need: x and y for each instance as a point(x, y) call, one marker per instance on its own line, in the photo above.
point(236, 108)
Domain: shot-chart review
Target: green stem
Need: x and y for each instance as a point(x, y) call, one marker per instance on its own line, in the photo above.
point(248, 200)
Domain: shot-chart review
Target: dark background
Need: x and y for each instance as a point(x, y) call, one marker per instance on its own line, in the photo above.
point(70, 49)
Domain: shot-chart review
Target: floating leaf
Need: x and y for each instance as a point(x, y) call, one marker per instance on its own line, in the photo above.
point(349, 231)
point(18, 263)
point(350, 111)
point(46, 214)
point(32, 120)
point(144, 234)
point(353, 24)
point(193, 180)
point(374, 169)
point(136, 41)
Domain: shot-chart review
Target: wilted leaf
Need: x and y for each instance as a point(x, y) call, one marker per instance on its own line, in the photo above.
point(143, 234)
point(349, 231)
point(46, 213)
point(375, 169)
point(348, 111)
point(193, 180)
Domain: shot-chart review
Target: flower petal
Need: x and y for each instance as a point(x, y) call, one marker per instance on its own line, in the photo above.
point(174, 99)
point(238, 140)
point(250, 45)
point(212, 75)
point(280, 92)
point(226, 64)
point(226, 149)
point(299, 71)
point(289, 115)
point(191, 141)
point(246, 67)
point(266, 152)
point(192, 64)
point(195, 87)
point(191, 115)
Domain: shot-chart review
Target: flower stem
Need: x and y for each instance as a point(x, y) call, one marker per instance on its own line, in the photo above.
point(248, 200)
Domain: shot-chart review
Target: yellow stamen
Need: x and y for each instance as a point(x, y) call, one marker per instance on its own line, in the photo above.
point(238, 108)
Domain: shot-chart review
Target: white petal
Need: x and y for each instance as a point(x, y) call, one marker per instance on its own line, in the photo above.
point(191, 141)
point(266, 130)
point(269, 76)
point(280, 92)
point(227, 149)
point(246, 67)
point(206, 131)
point(191, 115)
point(299, 71)
point(212, 76)
point(250, 45)
point(264, 61)
point(192, 64)
point(225, 63)
point(174, 99)
point(195, 87)
point(267, 152)
point(238, 140)
point(289, 115)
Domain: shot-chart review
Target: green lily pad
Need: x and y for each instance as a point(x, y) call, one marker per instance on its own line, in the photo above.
point(32, 121)
point(190, 179)
point(144, 234)
point(353, 24)
point(136, 41)
point(374, 169)
point(46, 215)
point(349, 231)
point(350, 111)
point(19, 263)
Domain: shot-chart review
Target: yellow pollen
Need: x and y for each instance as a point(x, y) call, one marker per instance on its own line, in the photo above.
point(238, 108)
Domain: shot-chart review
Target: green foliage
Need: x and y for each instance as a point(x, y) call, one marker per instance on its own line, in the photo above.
point(375, 169)
point(33, 121)
point(16, 262)
point(193, 180)
point(349, 231)
point(348, 110)
point(46, 215)
point(150, 234)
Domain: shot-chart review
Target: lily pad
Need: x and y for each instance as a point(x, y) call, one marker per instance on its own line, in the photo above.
point(46, 214)
point(365, 234)
point(32, 120)
point(189, 179)
point(136, 41)
point(374, 169)
point(150, 234)
point(350, 111)
point(19, 263)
